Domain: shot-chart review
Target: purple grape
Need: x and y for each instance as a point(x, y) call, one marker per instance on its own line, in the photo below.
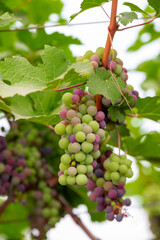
point(2, 158)
point(75, 98)
point(94, 64)
point(94, 58)
point(119, 217)
point(100, 200)
point(90, 185)
point(127, 202)
point(110, 216)
point(112, 194)
point(135, 93)
point(72, 138)
point(22, 176)
point(6, 184)
point(97, 140)
point(106, 102)
point(109, 209)
point(125, 70)
point(11, 161)
point(121, 186)
point(92, 197)
point(120, 193)
point(3, 143)
point(98, 191)
point(99, 173)
point(63, 113)
point(111, 65)
point(100, 116)
point(21, 188)
point(102, 124)
point(108, 153)
point(100, 207)
point(46, 150)
point(79, 92)
point(5, 177)
point(95, 147)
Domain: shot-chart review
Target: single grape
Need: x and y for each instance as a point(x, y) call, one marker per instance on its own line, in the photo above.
point(96, 154)
point(62, 180)
point(119, 217)
point(111, 65)
point(94, 125)
point(75, 121)
point(79, 59)
point(100, 182)
point(99, 52)
point(63, 143)
point(114, 166)
point(72, 138)
point(72, 171)
point(71, 180)
point(75, 147)
point(87, 118)
point(71, 114)
point(94, 64)
point(88, 54)
point(93, 197)
point(110, 216)
point(100, 200)
point(91, 137)
point(108, 186)
point(115, 176)
point(101, 133)
point(79, 92)
point(129, 173)
point(88, 159)
point(80, 156)
point(2, 168)
point(89, 169)
point(95, 58)
point(78, 127)
point(91, 185)
point(87, 129)
point(112, 194)
point(75, 98)
point(80, 136)
point(113, 54)
point(109, 209)
point(81, 169)
point(122, 179)
point(119, 61)
point(92, 110)
point(127, 202)
point(98, 191)
point(82, 108)
point(123, 169)
point(99, 173)
point(69, 129)
point(63, 113)
point(60, 129)
point(91, 102)
point(67, 98)
point(87, 147)
point(118, 70)
point(81, 179)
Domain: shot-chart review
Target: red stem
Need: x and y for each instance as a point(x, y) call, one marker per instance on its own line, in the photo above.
point(73, 86)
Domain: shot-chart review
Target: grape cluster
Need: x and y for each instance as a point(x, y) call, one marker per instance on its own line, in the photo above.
point(81, 132)
point(107, 188)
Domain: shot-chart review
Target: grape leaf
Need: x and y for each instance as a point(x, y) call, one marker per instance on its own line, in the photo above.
point(135, 8)
point(146, 147)
point(155, 4)
point(87, 4)
point(6, 19)
point(102, 82)
point(3, 106)
point(149, 107)
point(127, 17)
point(116, 114)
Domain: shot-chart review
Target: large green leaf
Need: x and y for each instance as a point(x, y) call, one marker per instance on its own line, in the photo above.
point(87, 4)
point(102, 82)
point(149, 107)
point(134, 7)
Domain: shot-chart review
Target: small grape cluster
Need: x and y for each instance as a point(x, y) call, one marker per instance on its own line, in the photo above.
point(81, 132)
point(108, 189)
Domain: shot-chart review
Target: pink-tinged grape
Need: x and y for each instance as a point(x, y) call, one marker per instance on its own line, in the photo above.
point(108, 186)
point(110, 216)
point(97, 139)
point(89, 169)
point(80, 136)
point(78, 127)
point(95, 58)
point(87, 147)
point(101, 133)
point(99, 52)
point(63, 113)
point(135, 93)
point(94, 64)
point(102, 124)
point(109, 209)
point(118, 70)
point(119, 217)
point(114, 166)
point(80, 156)
point(98, 191)
point(93, 197)
point(15, 180)
point(119, 61)
point(67, 98)
point(81, 169)
point(129, 173)
point(94, 125)
point(88, 159)
point(123, 169)
point(87, 129)
point(71, 114)
point(60, 173)
point(62, 180)
point(63, 143)
point(75, 121)
point(27, 172)
point(127, 202)
point(91, 137)
point(92, 110)
point(75, 98)
point(112, 194)
point(113, 54)
point(90, 103)
point(71, 180)
point(96, 154)
point(60, 129)
point(95, 147)
point(79, 92)
point(125, 70)
point(69, 129)
point(115, 176)
point(87, 118)
point(100, 200)
point(111, 65)
point(90, 185)
point(65, 159)
point(106, 102)
point(134, 100)
point(2, 168)
point(65, 107)
point(81, 179)
point(99, 173)
point(82, 108)
point(121, 186)
point(100, 116)
point(72, 138)
point(75, 147)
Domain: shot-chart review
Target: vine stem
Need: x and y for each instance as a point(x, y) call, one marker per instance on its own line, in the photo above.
point(113, 26)
point(76, 219)
point(73, 86)
point(4, 206)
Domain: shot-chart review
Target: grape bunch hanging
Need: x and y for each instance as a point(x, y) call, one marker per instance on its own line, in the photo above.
point(83, 129)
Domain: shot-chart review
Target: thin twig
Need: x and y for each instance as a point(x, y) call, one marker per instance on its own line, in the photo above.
point(73, 86)
point(134, 116)
point(107, 139)
point(50, 126)
point(105, 11)
point(119, 141)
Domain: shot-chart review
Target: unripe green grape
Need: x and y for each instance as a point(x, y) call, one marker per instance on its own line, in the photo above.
point(113, 54)
point(60, 129)
point(129, 173)
point(94, 125)
point(89, 159)
point(82, 108)
point(63, 143)
point(122, 179)
point(79, 157)
point(75, 147)
point(89, 168)
point(100, 182)
point(115, 176)
point(87, 147)
point(107, 175)
point(71, 180)
point(66, 172)
point(2, 168)
point(41, 185)
point(54, 212)
point(114, 157)
point(96, 154)
point(81, 169)
point(106, 164)
point(92, 110)
point(101, 133)
point(79, 59)
point(115, 182)
point(123, 169)
point(118, 70)
point(127, 162)
point(129, 87)
point(91, 137)
point(65, 159)
point(78, 127)
point(67, 98)
point(81, 179)
point(72, 171)
point(80, 115)
point(46, 212)
point(94, 177)
point(114, 166)
point(83, 99)
point(80, 136)
point(90, 103)
point(63, 167)
point(47, 190)
point(87, 118)
point(69, 129)
point(47, 198)
point(99, 52)
point(86, 61)
point(62, 180)
point(69, 147)
point(73, 163)
point(88, 54)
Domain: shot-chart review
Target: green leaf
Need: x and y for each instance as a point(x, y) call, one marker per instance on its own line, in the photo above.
point(102, 82)
point(149, 107)
point(6, 19)
point(116, 114)
point(87, 4)
point(127, 17)
point(40, 107)
point(145, 147)
point(135, 8)
point(3, 106)
point(155, 4)
point(20, 77)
